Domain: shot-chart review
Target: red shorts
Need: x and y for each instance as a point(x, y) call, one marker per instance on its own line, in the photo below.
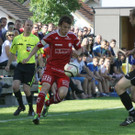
point(52, 75)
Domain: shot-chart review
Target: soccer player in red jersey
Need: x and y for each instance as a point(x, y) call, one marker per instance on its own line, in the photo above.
point(60, 42)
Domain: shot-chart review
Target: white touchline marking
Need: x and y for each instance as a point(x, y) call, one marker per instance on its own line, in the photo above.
point(62, 114)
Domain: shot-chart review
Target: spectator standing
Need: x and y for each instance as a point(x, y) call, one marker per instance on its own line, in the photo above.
point(10, 28)
point(18, 25)
point(1, 41)
point(6, 50)
point(4, 23)
point(43, 31)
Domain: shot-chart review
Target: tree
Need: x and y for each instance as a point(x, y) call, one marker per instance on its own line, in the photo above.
point(47, 11)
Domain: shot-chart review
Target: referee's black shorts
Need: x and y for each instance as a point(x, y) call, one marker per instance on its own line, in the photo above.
point(131, 76)
point(24, 73)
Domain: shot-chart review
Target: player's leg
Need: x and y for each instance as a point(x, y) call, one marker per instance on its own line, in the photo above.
point(40, 101)
point(120, 88)
point(47, 98)
point(61, 92)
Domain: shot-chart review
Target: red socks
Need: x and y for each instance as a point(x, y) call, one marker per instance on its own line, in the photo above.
point(54, 100)
point(40, 102)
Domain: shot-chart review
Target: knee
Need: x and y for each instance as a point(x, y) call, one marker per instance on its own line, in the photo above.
point(62, 93)
point(119, 89)
point(16, 87)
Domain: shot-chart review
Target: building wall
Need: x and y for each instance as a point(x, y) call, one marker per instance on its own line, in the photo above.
point(4, 14)
point(81, 21)
point(108, 23)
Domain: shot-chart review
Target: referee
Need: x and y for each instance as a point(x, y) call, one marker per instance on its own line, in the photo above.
point(21, 47)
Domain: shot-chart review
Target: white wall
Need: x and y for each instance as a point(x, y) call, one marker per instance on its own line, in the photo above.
point(107, 22)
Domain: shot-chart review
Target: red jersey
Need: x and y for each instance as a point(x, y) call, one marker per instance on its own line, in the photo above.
point(60, 48)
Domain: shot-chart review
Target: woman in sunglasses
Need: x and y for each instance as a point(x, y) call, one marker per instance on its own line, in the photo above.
point(6, 50)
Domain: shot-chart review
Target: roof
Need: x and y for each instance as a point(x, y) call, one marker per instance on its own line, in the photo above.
point(86, 10)
point(16, 8)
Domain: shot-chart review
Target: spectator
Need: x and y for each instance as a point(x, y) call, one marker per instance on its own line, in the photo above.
point(80, 35)
point(6, 51)
point(89, 31)
point(35, 29)
point(101, 50)
point(116, 67)
point(85, 78)
point(85, 32)
point(98, 40)
point(10, 27)
point(72, 29)
point(112, 46)
point(104, 72)
point(39, 26)
point(43, 31)
point(87, 43)
point(18, 25)
point(50, 27)
point(97, 79)
point(1, 40)
point(4, 23)
point(76, 30)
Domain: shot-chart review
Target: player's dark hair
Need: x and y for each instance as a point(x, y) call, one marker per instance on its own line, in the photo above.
point(10, 23)
point(66, 19)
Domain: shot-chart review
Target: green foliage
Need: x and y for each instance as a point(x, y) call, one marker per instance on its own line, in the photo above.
point(47, 11)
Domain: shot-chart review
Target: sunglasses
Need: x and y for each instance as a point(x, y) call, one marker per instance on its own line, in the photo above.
point(11, 35)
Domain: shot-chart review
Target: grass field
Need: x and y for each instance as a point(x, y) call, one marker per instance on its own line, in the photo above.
point(100, 116)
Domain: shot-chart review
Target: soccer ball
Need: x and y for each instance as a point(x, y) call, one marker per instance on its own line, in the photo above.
point(71, 70)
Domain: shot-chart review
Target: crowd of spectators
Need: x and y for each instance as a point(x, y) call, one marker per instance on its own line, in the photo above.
point(99, 67)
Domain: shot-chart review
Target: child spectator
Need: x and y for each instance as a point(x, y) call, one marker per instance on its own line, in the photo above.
point(84, 78)
point(93, 66)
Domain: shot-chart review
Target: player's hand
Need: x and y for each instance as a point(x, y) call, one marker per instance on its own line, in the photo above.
point(25, 61)
point(7, 68)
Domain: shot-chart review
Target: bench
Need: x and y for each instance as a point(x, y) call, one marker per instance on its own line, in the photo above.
point(7, 97)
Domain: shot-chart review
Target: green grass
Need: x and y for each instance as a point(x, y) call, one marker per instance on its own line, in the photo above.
point(100, 116)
